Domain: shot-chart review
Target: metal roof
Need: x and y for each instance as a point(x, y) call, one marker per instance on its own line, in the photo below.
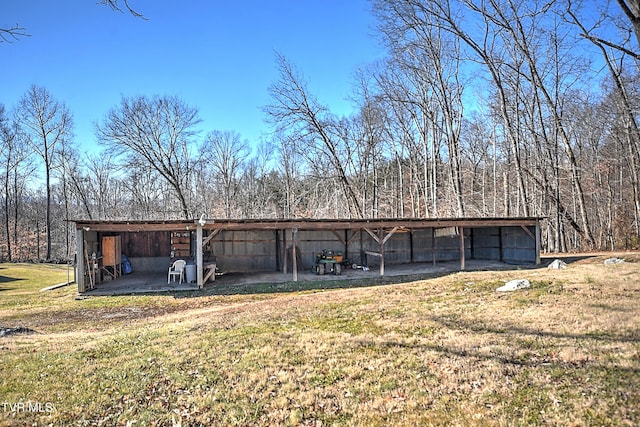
point(302, 224)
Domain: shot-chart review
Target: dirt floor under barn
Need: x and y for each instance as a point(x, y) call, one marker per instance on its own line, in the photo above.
point(152, 282)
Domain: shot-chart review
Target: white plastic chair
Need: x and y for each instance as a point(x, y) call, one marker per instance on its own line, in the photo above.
point(177, 269)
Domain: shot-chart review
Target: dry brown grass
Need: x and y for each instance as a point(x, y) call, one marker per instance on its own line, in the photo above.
point(446, 351)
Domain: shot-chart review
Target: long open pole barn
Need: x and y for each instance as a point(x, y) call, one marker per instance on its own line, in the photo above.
point(108, 250)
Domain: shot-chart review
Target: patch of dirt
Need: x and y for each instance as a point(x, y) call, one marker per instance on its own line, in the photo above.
point(109, 314)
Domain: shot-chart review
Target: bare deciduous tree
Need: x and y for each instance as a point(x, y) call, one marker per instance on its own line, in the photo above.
point(294, 110)
point(225, 152)
point(157, 132)
point(614, 55)
point(47, 124)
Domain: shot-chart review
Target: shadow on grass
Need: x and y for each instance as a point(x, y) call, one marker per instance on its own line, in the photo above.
point(517, 349)
point(230, 288)
point(549, 258)
point(515, 355)
point(452, 322)
point(5, 279)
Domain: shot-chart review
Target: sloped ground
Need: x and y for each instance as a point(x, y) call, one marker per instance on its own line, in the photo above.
point(441, 351)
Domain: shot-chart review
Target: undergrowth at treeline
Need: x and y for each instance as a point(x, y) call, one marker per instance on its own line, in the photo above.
point(443, 351)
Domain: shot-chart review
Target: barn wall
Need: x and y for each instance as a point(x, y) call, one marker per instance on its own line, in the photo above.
point(518, 246)
point(487, 243)
point(148, 251)
point(245, 250)
point(511, 245)
point(257, 250)
point(312, 242)
point(260, 250)
point(148, 264)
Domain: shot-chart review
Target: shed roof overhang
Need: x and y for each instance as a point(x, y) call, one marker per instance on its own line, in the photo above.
point(301, 224)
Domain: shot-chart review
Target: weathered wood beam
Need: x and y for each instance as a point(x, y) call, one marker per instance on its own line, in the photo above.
point(284, 251)
point(136, 227)
point(388, 236)
point(338, 236)
point(211, 273)
point(354, 233)
point(406, 223)
point(80, 260)
point(538, 246)
point(529, 233)
point(294, 261)
point(199, 266)
point(213, 234)
point(372, 234)
point(379, 255)
point(462, 254)
point(433, 246)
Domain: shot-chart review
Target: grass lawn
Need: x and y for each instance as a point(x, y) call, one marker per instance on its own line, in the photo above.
point(443, 351)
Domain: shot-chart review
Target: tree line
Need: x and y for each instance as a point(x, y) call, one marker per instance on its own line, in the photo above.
point(480, 108)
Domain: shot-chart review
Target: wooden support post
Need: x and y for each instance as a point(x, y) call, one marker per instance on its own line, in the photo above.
point(500, 244)
point(433, 245)
point(362, 254)
point(411, 257)
point(381, 256)
point(346, 244)
point(80, 249)
point(381, 239)
point(199, 246)
point(461, 231)
point(294, 261)
point(277, 248)
point(284, 251)
point(538, 242)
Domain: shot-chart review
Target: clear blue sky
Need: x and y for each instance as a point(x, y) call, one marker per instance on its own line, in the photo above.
point(217, 55)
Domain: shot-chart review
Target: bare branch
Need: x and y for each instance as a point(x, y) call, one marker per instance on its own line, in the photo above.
point(115, 5)
point(586, 33)
point(11, 34)
point(598, 40)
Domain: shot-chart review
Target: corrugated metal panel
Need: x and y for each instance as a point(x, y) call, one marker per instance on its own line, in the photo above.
point(423, 245)
point(397, 250)
point(447, 248)
point(245, 250)
point(256, 250)
point(486, 243)
point(517, 246)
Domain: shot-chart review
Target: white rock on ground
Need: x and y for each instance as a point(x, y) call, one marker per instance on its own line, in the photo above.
point(557, 265)
point(613, 260)
point(514, 285)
